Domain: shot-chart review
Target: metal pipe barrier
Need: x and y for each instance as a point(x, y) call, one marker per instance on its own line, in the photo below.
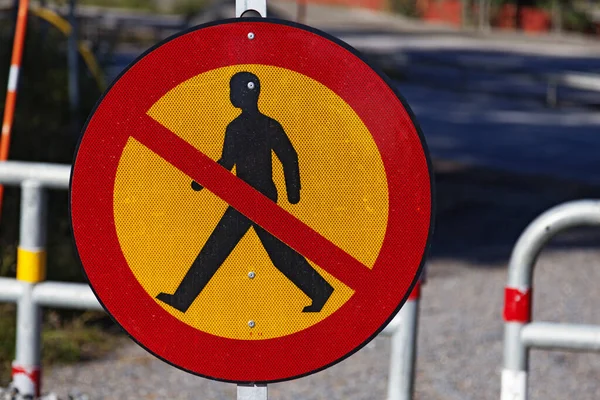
point(520, 334)
point(30, 292)
point(403, 348)
point(50, 176)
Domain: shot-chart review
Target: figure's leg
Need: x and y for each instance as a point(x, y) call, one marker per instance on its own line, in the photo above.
point(228, 232)
point(295, 267)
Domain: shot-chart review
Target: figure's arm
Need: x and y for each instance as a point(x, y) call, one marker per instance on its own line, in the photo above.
point(227, 159)
point(284, 150)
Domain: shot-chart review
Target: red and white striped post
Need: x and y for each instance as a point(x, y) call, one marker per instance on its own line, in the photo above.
point(517, 313)
point(520, 334)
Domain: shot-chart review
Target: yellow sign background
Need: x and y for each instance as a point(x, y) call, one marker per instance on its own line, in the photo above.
point(162, 223)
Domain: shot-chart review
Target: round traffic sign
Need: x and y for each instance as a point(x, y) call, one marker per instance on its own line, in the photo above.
point(251, 201)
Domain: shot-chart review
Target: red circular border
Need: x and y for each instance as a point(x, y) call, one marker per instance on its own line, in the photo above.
point(322, 58)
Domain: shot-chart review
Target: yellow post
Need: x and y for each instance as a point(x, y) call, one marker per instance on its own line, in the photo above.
point(31, 254)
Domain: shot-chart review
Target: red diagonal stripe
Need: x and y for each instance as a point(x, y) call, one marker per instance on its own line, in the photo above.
point(251, 203)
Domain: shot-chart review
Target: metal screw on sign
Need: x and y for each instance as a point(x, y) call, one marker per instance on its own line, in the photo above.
point(251, 274)
point(250, 35)
point(251, 324)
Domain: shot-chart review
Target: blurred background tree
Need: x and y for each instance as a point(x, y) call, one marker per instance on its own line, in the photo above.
point(42, 133)
point(405, 7)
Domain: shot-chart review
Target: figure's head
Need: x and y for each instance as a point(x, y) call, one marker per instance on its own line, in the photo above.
point(244, 88)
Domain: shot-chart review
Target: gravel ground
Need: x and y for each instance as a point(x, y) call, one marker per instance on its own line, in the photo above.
point(459, 356)
point(460, 341)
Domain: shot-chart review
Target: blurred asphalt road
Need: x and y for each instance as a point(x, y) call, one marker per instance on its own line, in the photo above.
point(480, 98)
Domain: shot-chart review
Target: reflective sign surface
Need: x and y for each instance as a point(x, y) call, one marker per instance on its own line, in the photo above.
point(251, 201)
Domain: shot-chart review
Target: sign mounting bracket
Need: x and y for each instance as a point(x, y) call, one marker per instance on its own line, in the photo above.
point(252, 392)
point(251, 8)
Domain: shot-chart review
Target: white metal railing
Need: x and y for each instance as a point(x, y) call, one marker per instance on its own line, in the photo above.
point(520, 334)
point(30, 292)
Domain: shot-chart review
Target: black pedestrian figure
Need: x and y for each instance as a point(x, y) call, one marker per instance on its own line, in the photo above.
point(250, 140)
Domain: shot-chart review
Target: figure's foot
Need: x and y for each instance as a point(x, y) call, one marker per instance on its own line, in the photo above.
point(174, 301)
point(319, 302)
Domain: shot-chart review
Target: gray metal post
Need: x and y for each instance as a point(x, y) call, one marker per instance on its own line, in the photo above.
point(252, 392)
point(242, 6)
point(31, 268)
point(517, 307)
point(464, 12)
point(301, 11)
point(557, 16)
point(481, 14)
point(73, 62)
point(251, 8)
point(516, 361)
point(32, 232)
point(403, 353)
point(484, 15)
point(26, 366)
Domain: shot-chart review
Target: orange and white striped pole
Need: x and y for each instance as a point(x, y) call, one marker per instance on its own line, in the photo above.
point(13, 78)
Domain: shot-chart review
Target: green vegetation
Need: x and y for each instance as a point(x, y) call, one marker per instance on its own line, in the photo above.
point(133, 4)
point(7, 340)
point(405, 7)
point(42, 132)
point(64, 340)
point(187, 7)
point(577, 20)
